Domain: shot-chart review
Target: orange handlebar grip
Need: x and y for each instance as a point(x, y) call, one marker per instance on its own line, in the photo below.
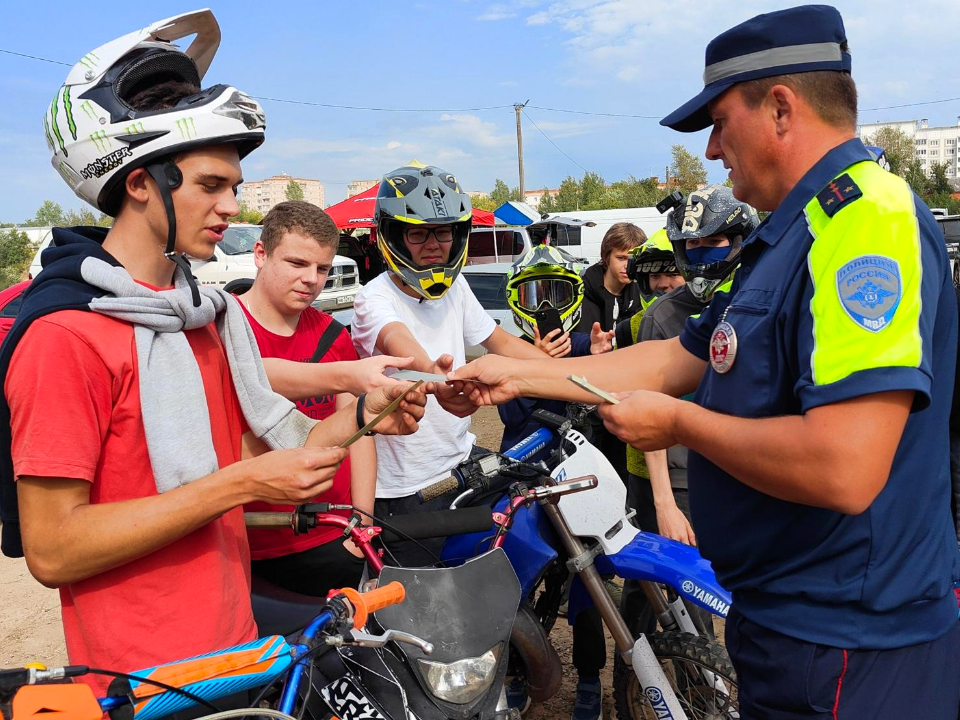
point(368, 602)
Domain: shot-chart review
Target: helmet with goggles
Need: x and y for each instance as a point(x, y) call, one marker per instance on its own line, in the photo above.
point(542, 279)
point(654, 257)
point(97, 136)
point(415, 204)
point(704, 214)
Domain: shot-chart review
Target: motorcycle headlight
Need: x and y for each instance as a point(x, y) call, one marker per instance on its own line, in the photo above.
point(464, 680)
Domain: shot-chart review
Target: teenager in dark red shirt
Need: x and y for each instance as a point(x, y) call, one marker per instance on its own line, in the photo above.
point(293, 256)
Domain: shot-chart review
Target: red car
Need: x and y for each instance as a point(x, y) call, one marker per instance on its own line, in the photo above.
point(10, 300)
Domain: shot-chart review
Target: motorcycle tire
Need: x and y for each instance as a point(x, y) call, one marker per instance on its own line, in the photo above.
point(682, 656)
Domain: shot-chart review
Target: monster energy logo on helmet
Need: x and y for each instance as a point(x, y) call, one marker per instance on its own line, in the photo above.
point(101, 140)
point(187, 128)
point(54, 109)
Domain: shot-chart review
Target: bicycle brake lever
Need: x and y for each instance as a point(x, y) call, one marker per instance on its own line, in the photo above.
point(362, 639)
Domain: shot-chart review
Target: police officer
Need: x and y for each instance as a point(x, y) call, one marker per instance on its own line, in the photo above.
point(818, 468)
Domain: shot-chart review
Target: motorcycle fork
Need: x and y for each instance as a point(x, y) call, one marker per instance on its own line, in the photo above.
point(645, 664)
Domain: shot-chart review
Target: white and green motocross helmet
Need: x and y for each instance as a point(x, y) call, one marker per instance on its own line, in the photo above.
point(96, 138)
point(543, 279)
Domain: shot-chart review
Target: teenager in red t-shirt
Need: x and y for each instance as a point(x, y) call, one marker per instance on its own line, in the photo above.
point(293, 256)
point(148, 577)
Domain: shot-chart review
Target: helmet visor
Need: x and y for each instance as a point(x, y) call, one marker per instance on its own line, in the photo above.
point(538, 293)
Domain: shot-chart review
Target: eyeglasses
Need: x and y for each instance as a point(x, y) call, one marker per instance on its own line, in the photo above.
point(419, 235)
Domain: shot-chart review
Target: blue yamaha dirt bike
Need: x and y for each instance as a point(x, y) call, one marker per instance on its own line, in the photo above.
point(566, 514)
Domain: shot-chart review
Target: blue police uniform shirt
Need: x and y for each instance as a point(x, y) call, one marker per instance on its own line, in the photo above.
point(881, 579)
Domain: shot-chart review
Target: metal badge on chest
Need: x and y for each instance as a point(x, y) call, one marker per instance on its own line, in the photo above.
point(723, 345)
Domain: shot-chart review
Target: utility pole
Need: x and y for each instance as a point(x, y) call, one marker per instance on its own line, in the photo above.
point(518, 107)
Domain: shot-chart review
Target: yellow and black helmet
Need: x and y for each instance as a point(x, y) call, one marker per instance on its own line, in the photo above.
point(543, 279)
point(417, 194)
point(654, 257)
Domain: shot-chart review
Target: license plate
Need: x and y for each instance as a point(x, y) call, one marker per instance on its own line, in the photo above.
point(348, 701)
point(346, 300)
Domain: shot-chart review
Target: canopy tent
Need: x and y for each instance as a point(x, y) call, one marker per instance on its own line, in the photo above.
point(357, 211)
point(516, 213)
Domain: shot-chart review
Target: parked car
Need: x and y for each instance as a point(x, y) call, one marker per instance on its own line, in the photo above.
point(10, 300)
point(232, 268)
point(489, 284)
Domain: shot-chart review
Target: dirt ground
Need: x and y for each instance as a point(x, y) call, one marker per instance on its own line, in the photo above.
point(30, 629)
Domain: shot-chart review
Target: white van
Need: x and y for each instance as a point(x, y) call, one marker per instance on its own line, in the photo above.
point(584, 240)
point(232, 268)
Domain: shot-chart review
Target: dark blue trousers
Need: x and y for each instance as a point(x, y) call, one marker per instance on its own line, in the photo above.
point(782, 678)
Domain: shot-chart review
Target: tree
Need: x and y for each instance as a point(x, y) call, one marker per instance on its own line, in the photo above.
point(568, 195)
point(248, 215)
point(85, 216)
point(547, 204)
point(687, 169)
point(50, 213)
point(939, 184)
point(592, 190)
point(897, 146)
point(916, 177)
point(16, 252)
point(484, 202)
point(294, 190)
point(502, 193)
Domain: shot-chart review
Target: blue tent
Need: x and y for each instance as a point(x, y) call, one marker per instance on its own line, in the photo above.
point(516, 213)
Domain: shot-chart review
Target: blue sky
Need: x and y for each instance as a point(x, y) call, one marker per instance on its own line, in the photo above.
point(634, 57)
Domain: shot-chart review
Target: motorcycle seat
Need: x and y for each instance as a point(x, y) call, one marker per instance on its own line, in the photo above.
point(279, 611)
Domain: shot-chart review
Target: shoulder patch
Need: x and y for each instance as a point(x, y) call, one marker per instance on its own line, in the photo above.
point(838, 192)
point(869, 288)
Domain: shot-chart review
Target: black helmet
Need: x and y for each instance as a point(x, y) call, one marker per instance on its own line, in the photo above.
point(703, 213)
point(413, 195)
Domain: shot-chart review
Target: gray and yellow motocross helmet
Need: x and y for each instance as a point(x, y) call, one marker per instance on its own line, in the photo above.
point(413, 195)
point(705, 213)
point(544, 279)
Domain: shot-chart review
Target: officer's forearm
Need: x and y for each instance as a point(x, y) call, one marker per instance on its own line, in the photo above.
point(660, 365)
point(836, 456)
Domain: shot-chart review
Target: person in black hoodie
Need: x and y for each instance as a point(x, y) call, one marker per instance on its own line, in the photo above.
point(610, 295)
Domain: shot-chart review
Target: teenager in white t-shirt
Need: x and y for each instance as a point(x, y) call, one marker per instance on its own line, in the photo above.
point(421, 309)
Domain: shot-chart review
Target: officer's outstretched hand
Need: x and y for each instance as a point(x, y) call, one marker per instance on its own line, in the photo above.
point(450, 395)
point(404, 419)
point(642, 419)
point(489, 380)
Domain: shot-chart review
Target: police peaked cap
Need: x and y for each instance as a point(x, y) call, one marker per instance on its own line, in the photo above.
point(800, 39)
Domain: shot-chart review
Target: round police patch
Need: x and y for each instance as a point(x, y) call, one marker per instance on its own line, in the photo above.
point(869, 289)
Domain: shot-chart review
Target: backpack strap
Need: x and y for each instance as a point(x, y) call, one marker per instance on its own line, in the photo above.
point(326, 340)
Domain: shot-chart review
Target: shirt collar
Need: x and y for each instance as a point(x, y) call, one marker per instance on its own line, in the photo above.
point(827, 168)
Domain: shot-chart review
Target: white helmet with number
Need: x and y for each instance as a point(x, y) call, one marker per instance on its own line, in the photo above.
point(95, 135)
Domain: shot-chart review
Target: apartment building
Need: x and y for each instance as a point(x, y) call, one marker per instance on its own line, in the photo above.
point(932, 144)
point(261, 195)
point(358, 186)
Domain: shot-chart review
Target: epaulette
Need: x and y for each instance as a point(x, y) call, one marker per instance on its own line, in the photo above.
point(838, 192)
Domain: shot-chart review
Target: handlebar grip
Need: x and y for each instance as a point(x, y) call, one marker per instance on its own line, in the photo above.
point(267, 519)
point(441, 487)
point(368, 602)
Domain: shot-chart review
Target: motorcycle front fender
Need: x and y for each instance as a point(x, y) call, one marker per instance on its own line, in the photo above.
point(661, 560)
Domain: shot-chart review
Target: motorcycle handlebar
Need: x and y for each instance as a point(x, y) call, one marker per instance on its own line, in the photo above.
point(438, 523)
point(371, 601)
point(441, 487)
point(268, 519)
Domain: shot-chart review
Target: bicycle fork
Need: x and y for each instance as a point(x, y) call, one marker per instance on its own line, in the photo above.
point(638, 654)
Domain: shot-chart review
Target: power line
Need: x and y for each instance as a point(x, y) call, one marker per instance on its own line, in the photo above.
point(601, 114)
point(552, 142)
point(34, 57)
point(379, 109)
point(480, 109)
